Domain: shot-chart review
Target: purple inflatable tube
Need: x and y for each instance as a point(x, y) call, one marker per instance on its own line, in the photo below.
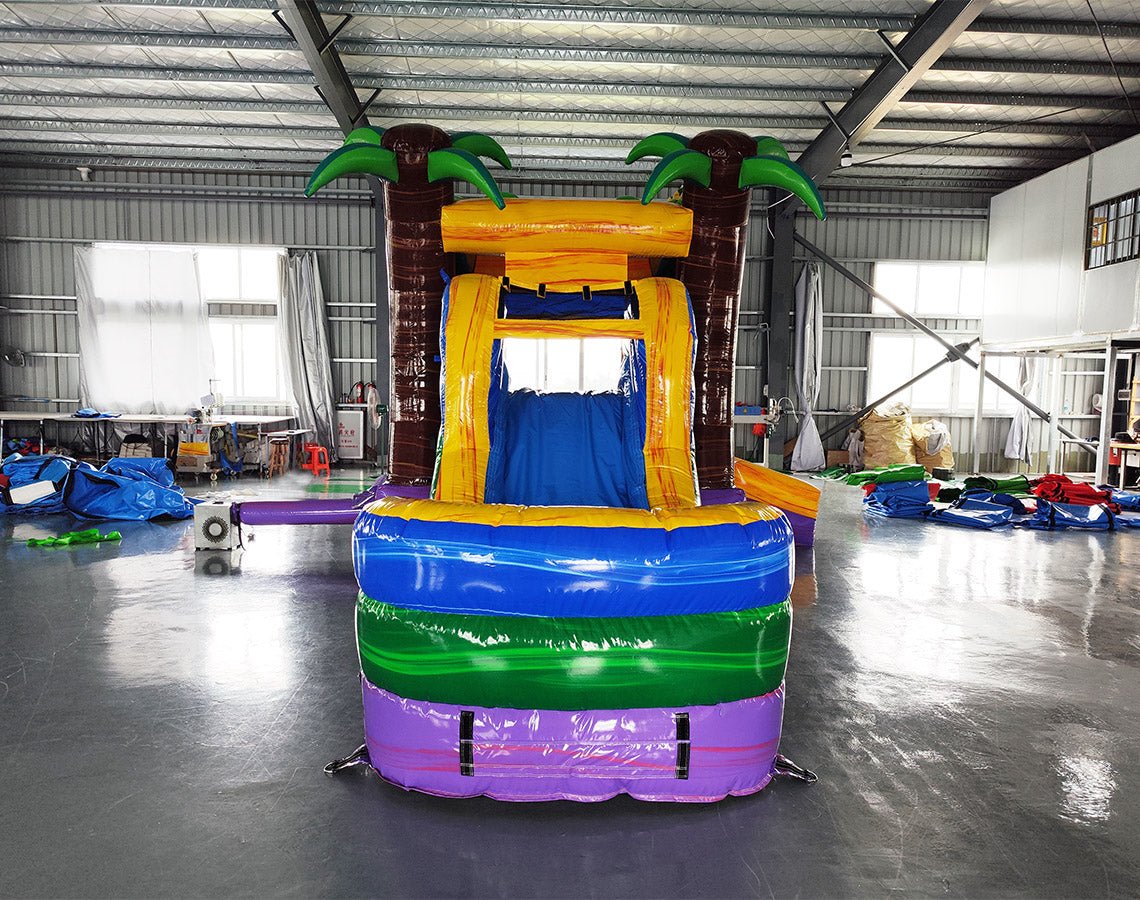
point(323, 511)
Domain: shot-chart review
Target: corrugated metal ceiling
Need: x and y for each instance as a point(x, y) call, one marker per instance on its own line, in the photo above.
point(567, 88)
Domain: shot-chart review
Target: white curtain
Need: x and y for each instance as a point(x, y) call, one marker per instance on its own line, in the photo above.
point(305, 347)
point(1017, 443)
point(144, 339)
point(809, 455)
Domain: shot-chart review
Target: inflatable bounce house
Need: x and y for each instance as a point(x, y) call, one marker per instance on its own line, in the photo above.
point(566, 594)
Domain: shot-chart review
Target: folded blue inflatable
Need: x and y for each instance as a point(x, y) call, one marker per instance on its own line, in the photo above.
point(24, 470)
point(1058, 516)
point(899, 500)
point(1129, 500)
point(134, 489)
point(972, 512)
point(987, 496)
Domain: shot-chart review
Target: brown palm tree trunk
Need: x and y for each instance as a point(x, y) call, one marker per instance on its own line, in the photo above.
point(713, 273)
point(415, 294)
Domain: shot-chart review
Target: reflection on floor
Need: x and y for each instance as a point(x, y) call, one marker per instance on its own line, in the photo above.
point(970, 701)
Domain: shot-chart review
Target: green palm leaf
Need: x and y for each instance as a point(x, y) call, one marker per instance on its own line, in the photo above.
point(689, 164)
point(455, 163)
point(481, 145)
point(776, 171)
point(661, 144)
point(354, 159)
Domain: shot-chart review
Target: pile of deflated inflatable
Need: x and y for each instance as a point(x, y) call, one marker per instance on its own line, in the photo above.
point(1049, 503)
point(136, 489)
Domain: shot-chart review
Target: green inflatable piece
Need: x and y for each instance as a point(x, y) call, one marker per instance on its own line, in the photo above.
point(781, 172)
point(1014, 485)
point(451, 162)
point(366, 134)
point(481, 145)
point(525, 662)
point(766, 145)
point(901, 472)
point(661, 144)
point(354, 159)
point(71, 538)
point(690, 164)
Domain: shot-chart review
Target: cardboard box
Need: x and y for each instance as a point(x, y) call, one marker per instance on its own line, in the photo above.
point(193, 465)
point(837, 458)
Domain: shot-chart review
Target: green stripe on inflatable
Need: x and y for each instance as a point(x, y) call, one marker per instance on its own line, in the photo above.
point(526, 662)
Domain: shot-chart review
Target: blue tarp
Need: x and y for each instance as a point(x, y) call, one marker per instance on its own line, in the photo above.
point(134, 489)
point(899, 500)
point(1124, 499)
point(1057, 516)
point(25, 470)
point(973, 512)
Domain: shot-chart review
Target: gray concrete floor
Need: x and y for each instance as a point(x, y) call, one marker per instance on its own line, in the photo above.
point(970, 701)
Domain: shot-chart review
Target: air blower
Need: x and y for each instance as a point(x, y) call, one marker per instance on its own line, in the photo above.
point(215, 527)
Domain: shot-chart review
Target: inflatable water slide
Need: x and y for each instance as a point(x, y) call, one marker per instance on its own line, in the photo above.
point(567, 594)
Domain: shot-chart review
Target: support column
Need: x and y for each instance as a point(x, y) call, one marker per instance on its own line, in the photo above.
point(781, 302)
point(1056, 380)
point(978, 413)
point(1107, 405)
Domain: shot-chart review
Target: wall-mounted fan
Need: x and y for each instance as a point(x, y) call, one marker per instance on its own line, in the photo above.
point(14, 357)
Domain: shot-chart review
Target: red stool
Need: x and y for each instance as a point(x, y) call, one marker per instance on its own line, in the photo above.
point(316, 459)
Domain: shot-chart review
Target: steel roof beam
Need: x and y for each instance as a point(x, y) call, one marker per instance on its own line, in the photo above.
point(617, 143)
point(141, 101)
point(307, 28)
point(156, 73)
point(370, 47)
point(523, 173)
point(577, 88)
point(305, 157)
point(915, 54)
point(772, 19)
point(695, 120)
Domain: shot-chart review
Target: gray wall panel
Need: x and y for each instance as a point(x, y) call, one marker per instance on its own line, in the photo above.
point(44, 214)
point(54, 210)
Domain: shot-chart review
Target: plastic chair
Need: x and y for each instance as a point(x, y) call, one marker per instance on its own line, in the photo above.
point(316, 459)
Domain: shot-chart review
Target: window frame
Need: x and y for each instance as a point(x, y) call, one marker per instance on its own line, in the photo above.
point(961, 401)
point(961, 265)
point(1109, 215)
point(238, 361)
point(586, 382)
point(267, 310)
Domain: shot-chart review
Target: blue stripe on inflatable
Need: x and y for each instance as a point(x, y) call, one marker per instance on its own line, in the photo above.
point(461, 567)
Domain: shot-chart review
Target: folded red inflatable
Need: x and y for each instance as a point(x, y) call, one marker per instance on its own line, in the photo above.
point(1061, 489)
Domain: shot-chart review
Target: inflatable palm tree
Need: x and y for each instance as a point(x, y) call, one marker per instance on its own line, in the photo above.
point(719, 168)
point(417, 164)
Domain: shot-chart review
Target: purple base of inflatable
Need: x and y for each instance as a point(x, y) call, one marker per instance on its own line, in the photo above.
point(693, 754)
point(803, 529)
point(324, 511)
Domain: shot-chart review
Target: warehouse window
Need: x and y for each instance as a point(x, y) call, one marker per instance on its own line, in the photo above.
point(947, 289)
point(1113, 233)
point(573, 365)
point(241, 287)
point(951, 388)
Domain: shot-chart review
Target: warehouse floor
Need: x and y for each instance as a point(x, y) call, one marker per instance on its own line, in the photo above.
point(970, 701)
